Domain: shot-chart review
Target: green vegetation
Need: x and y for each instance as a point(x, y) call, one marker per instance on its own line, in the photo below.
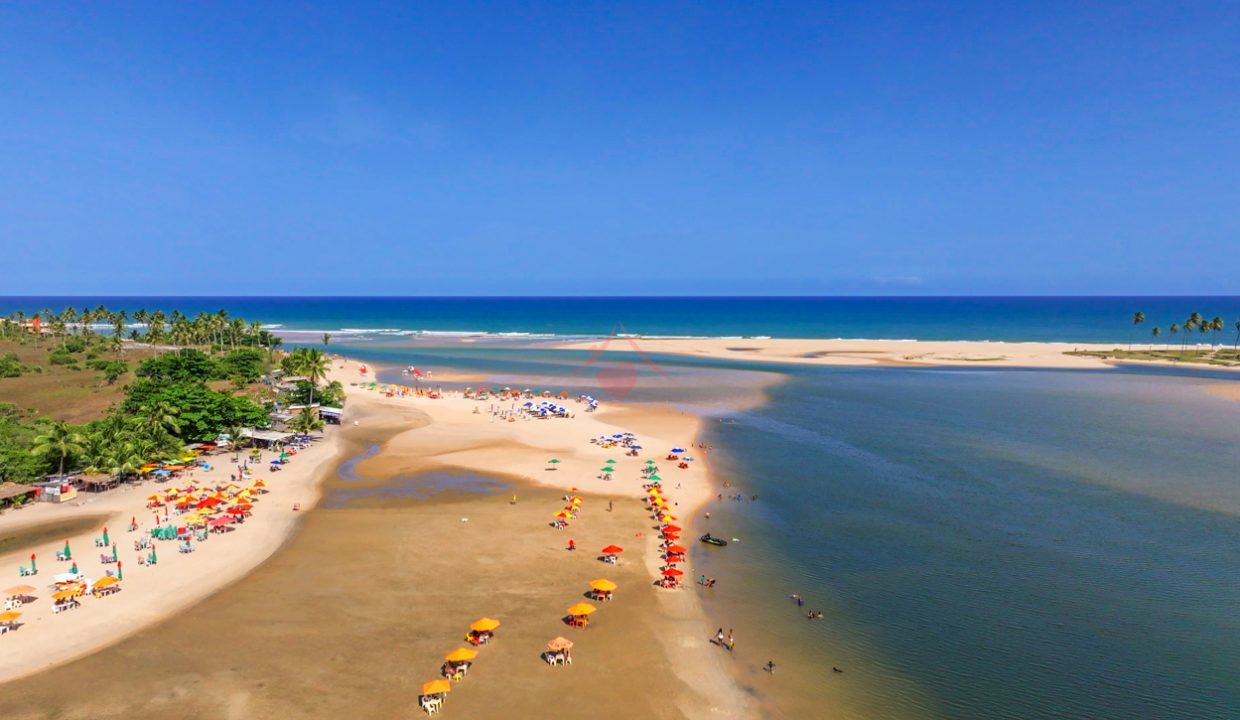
point(1208, 330)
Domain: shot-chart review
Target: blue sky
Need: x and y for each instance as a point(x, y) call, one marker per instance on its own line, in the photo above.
point(619, 148)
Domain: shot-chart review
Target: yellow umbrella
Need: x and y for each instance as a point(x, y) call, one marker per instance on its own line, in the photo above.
point(434, 687)
point(581, 609)
point(65, 594)
point(106, 581)
point(603, 585)
point(461, 655)
point(8, 617)
point(564, 514)
point(19, 591)
point(485, 624)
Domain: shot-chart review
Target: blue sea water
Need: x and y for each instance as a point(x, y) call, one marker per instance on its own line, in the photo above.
point(1069, 319)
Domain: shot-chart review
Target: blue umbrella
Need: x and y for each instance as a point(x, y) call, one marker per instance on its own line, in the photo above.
point(678, 450)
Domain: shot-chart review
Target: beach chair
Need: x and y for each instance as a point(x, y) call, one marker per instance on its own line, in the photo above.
point(60, 556)
point(105, 558)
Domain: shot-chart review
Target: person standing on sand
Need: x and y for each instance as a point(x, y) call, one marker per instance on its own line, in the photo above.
point(719, 637)
point(731, 641)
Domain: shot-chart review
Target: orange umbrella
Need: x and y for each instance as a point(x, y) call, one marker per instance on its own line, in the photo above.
point(612, 550)
point(65, 594)
point(672, 572)
point(485, 624)
point(8, 617)
point(461, 655)
point(677, 549)
point(435, 687)
point(603, 585)
point(581, 609)
point(672, 528)
point(19, 591)
point(106, 581)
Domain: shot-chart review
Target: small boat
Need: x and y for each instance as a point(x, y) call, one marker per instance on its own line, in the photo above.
point(710, 540)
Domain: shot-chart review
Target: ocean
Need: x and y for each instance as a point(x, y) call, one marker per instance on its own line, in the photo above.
point(1068, 319)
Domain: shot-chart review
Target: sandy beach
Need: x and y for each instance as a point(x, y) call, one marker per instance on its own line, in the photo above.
point(430, 581)
point(861, 352)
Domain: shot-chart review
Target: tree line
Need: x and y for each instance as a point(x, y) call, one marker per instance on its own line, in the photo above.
point(1194, 322)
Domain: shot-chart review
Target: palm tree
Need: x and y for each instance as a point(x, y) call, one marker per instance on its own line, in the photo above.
point(161, 416)
point(59, 441)
point(1174, 328)
point(1216, 326)
point(1137, 318)
point(234, 437)
point(1236, 344)
point(307, 422)
point(1155, 332)
point(327, 337)
point(312, 364)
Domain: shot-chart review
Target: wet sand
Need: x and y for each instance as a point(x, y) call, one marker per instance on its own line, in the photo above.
point(360, 605)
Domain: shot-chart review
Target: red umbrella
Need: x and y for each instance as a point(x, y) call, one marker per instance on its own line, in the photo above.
point(209, 502)
point(672, 572)
point(678, 549)
point(671, 528)
point(612, 550)
point(235, 511)
point(671, 536)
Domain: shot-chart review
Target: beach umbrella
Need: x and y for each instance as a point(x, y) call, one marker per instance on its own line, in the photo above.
point(66, 553)
point(677, 549)
point(435, 687)
point(114, 556)
point(105, 581)
point(485, 624)
point(608, 469)
point(105, 537)
point(559, 644)
point(611, 462)
point(673, 572)
point(120, 571)
point(74, 569)
point(564, 514)
point(655, 479)
point(19, 591)
point(678, 450)
point(612, 550)
point(603, 585)
point(153, 558)
point(10, 616)
point(33, 567)
point(64, 594)
point(461, 655)
point(671, 536)
point(580, 609)
point(672, 528)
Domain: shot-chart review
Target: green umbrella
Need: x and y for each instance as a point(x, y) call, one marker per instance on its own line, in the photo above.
point(553, 461)
point(114, 552)
point(67, 555)
point(152, 558)
point(655, 478)
point(611, 462)
point(106, 542)
point(120, 572)
point(609, 469)
point(650, 462)
point(34, 567)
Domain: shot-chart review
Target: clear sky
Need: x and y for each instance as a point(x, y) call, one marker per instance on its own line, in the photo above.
point(619, 148)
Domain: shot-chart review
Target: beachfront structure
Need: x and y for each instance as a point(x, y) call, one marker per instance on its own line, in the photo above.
point(267, 437)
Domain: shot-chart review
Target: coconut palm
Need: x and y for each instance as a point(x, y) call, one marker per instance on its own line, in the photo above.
point(1137, 318)
point(307, 421)
point(161, 417)
point(59, 441)
point(327, 337)
point(1236, 344)
point(1216, 326)
point(1155, 332)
